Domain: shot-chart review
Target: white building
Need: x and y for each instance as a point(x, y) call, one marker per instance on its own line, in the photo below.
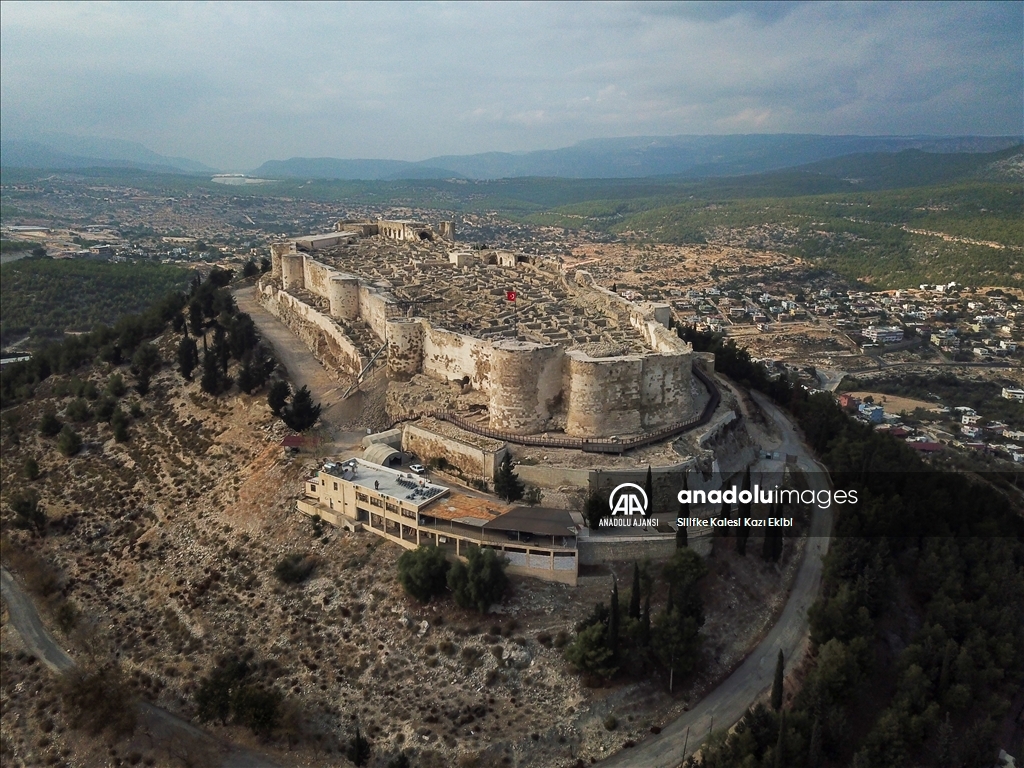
point(882, 334)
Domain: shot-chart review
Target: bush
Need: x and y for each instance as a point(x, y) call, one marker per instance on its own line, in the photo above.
point(98, 699)
point(31, 468)
point(27, 514)
point(423, 572)
point(49, 424)
point(78, 410)
point(69, 442)
point(480, 582)
point(295, 568)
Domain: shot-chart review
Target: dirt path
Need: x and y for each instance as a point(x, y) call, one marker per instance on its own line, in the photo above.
point(725, 705)
point(305, 370)
point(159, 725)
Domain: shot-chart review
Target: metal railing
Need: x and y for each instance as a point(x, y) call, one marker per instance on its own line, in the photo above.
point(596, 445)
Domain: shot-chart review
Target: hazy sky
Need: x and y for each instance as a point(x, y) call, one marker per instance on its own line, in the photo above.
point(232, 85)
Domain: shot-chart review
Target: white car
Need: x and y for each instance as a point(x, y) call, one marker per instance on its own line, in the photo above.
point(419, 469)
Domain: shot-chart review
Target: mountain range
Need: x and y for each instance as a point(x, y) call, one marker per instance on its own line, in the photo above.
point(686, 156)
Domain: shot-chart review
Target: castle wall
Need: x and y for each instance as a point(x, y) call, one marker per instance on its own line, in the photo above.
point(292, 271)
point(405, 347)
point(373, 309)
point(665, 394)
point(473, 461)
point(525, 385)
point(604, 395)
point(317, 277)
point(324, 338)
point(451, 356)
point(277, 251)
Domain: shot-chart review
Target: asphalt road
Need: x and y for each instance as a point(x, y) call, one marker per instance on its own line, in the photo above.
point(163, 730)
point(725, 705)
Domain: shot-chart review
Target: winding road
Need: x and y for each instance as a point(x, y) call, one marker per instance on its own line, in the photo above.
point(727, 703)
point(161, 727)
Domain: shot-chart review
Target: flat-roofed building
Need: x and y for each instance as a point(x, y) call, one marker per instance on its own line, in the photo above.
point(882, 334)
point(409, 510)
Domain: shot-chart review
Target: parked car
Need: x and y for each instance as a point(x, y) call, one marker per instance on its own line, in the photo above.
point(419, 469)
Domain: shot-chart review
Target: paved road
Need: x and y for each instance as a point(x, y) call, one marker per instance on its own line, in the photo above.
point(180, 737)
point(725, 705)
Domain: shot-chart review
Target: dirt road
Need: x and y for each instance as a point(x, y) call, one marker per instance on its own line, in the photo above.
point(160, 725)
point(725, 705)
point(304, 370)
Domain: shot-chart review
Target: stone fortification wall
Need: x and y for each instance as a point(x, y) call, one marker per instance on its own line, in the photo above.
point(533, 386)
point(452, 356)
point(604, 395)
point(316, 277)
point(375, 307)
point(473, 460)
point(405, 347)
point(525, 385)
point(325, 339)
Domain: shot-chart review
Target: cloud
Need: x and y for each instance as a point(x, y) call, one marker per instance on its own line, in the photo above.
point(233, 84)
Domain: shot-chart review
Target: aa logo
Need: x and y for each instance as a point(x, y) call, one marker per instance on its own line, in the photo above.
point(628, 499)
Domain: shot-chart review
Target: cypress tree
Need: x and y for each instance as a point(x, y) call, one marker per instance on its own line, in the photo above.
point(684, 512)
point(507, 484)
point(188, 357)
point(649, 490)
point(777, 684)
point(742, 534)
point(780, 744)
point(634, 596)
point(814, 750)
point(613, 620)
point(645, 623)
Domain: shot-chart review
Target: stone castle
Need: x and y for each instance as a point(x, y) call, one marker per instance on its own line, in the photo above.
point(564, 356)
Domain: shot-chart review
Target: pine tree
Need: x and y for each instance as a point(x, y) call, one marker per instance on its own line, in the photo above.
point(358, 749)
point(301, 414)
point(645, 623)
point(777, 684)
point(278, 396)
point(634, 595)
point(507, 484)
point(649, 490)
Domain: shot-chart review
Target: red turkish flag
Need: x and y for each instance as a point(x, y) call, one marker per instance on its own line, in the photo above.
point(510, 295)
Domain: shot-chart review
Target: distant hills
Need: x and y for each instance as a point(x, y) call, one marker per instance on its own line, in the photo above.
point(865, 160)
point(62, 152)
point(635, 157)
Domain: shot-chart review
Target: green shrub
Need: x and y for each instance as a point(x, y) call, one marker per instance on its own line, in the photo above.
point(69, 442)
point(481, 581)
point(423, 572)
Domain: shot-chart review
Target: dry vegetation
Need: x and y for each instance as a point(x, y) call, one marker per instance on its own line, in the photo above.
point(160, 553)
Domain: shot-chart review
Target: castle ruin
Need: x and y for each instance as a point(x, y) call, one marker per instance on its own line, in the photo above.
point(566, 355)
